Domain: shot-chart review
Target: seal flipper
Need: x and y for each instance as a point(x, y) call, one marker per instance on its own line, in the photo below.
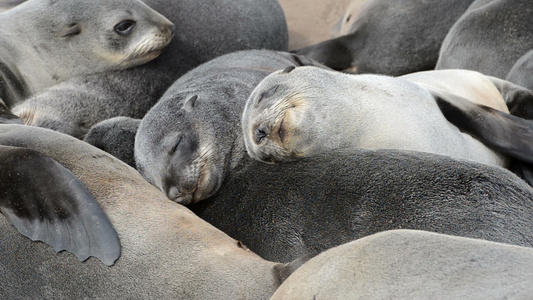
point(503, 132)
point(334, 53)
point(519, 99)
point(44, 201)
point(6, 116)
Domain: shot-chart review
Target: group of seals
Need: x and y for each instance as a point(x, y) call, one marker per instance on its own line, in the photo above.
point(167, 252)
point(190, 139)
point(390, 37)
point(74, 106)
point(46, 42)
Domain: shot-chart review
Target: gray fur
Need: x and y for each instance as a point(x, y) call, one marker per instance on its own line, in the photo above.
point(209, 131)
point(283, 211)
point(522, 71)
point(392, 37)
point(115, 136)
point(490, 37)
point(314, 111)
point(204, 30)
point(167, 252)
point(406, 264)
point(46, 42)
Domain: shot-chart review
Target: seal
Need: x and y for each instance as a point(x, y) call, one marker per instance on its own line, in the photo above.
point(199, 261)
point(191, 137)
point(390, 37)
point(311, 205)
point(115, 136)
point(75, 105)
point(409, 264)
point(8, 4)
point(71, 38)
point(312, 110)
point(522, 72)
point(490, 37)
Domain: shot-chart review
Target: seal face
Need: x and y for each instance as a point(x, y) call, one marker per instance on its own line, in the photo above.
point(71, 38)
point(309, 110)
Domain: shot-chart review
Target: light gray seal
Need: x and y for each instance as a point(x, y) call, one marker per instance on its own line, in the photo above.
point(490, 37)
point(191, 138)
point(409, 264)
point(522, 72)
point(392, 37)
point(167, 252)
point(46, 42)
point(310, 110)
point(76, 105)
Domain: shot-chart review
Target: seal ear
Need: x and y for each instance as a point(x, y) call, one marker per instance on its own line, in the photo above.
point(45, 202)
point(188, 106)
point(503, 132)
point(288, 69)
point(70, 30)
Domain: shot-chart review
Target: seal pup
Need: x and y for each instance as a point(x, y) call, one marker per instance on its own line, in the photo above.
point(409, 264)
point(71, 38)
point(189, 140)
point(490, 37)
point(74, 106)
point(309, 110)
point(115, 136)
point(283, 211)
point(167, 251)
point(392, 37)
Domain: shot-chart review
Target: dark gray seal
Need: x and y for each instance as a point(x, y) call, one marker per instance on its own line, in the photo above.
point(490, 37)
point(522, 72)
point(167, 251)
point(192, 137)
point(392, 37)
point(408, 264)
point(46, 42)
point(282, 211)
point(115, 136)
point(73, 107)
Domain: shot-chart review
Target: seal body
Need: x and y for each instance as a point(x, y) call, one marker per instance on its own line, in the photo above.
point(311, 110)
point(282, 211)
point(186, 143)
point(522, 71)
point(167, 252)
point(490, 37)
point(390, 37)
point(71, 38)
point(73, 107)
point(408, 264)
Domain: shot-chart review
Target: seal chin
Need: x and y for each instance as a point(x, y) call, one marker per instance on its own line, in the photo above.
point(146, 50)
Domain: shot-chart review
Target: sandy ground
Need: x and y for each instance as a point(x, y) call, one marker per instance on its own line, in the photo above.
point(311, 21)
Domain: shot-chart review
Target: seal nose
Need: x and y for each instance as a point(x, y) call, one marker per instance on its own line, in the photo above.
point(260, 134)
point(173, 193)
point(172, 29)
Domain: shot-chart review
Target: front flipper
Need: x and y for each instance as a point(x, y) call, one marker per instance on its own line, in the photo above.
point(45, 202)
point(502, 132)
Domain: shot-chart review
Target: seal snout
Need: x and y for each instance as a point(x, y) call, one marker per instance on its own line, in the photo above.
point(174, 194)
point(260, 134)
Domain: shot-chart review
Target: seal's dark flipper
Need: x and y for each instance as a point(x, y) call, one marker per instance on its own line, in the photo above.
point(44, 201)
point(519, 99)
point(502, 132)
point(334, 53)
point(6, 117)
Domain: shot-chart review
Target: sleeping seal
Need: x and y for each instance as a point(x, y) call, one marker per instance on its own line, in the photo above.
point(490, 37)
point(392, 37)
point(409, 264)
point(187, 142)
point(309, 110)
point(167, 251)
point(45, 42)
point(74, 106)
point(283, 211)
